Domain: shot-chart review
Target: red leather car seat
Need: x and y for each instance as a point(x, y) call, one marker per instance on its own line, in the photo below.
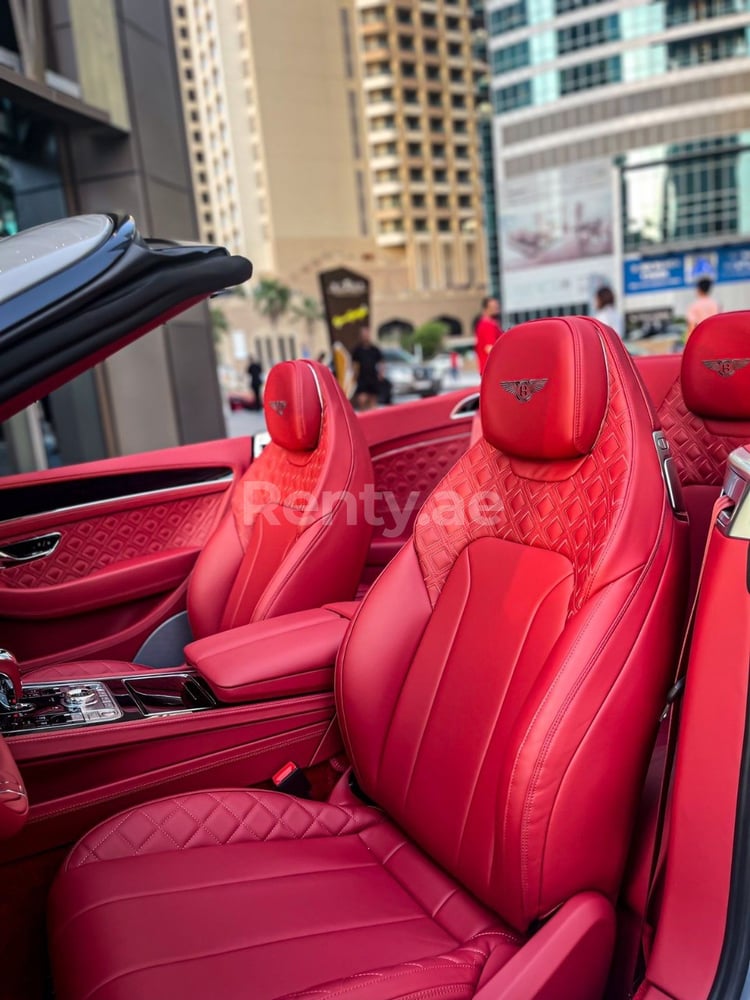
point(497, 693)
point(704, 409)
point(296, 536)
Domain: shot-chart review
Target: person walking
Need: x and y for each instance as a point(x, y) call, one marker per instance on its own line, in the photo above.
point(606, 311)
point(255, 375)
point(487, 330)
point(702, 306)
point(368, 367)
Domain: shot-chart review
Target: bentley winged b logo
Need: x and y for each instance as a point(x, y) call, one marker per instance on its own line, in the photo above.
point(278, 406)
point(523, 389)
point(726, 367)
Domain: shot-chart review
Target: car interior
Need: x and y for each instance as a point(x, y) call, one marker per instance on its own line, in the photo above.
point(377, 710)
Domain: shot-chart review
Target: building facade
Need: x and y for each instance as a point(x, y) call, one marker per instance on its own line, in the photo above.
point(621, 135)
point(328, 133)
point(90, 122)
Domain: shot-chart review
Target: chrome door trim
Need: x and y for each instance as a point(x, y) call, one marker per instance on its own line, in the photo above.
point(734, 521)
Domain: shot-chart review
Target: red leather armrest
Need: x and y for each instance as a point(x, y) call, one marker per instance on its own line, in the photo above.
point(278, 658)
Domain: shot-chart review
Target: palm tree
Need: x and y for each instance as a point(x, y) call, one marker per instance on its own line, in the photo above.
point(306, 308)
point(272, 298)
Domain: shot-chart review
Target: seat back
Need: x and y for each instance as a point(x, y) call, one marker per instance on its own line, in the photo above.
point(297, 535)
point(703, 404)
point(501, 683)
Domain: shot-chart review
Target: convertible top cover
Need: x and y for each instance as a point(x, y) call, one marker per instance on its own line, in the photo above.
point(74, 291)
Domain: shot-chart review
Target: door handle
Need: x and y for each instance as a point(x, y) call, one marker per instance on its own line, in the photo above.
point(29, 549)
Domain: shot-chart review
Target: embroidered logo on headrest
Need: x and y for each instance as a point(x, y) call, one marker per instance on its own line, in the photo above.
point(278, 406)
point(726, 367)
point(524, 388)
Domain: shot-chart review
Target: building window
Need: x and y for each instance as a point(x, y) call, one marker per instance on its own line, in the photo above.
point(706, 48)
point(588, 33)
point(414, 149)
point(435, 100)
point(438, 150)
point(429, 20)
point(417, 201)
point(694, 195)
point(354, 124)
point(420, 225)
point(504, 19)
point(444, 225)
point(464, 201)
point(416, 174)
point(413, 124)
point(346, 38)
point(441, 201)
point(406, 43)
point(430, 46)
point(403, 15)
point(408, 70)
point(455, 50)
point(452, 23)
point(462, 177)
point(362, 203)
point(440, 176)
point(458, 101)
point(584, 76)
point(470, 251)
point(436, 125)
point(425, 266)
point(563, 6)
point(460, 128)
point(517, 95)
point(511, 57)
point(411, 97)
point(448, 275)
point(432, 72)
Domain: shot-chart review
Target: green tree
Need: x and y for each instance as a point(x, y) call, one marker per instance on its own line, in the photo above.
point(307, 309)
point(272, 298)
point(429, 336)
point(219, 323)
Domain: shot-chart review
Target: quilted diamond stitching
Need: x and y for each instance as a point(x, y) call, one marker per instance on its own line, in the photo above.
point(290, 474)
point(205, 819)
point(100, 541)
point(700, 456)
point(573, 517)
point(413, 469)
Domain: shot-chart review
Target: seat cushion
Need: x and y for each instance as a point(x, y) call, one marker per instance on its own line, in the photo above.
point(239, 893)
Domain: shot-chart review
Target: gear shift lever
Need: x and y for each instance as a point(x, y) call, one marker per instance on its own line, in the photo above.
point(10, 681)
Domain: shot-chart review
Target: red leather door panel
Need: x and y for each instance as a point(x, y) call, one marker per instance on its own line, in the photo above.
point(130, 531)
point(412, 446)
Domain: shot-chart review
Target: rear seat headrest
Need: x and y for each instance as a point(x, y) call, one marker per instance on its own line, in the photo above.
point(544, 391)
point(293, 406)
point(716, 368)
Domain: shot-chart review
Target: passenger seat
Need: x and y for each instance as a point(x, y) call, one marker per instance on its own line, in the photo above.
point(296, 536)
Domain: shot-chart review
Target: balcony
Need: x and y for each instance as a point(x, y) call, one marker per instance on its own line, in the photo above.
point(378, 80)
point(379, 108)
point(391, 239)
point(384, 188)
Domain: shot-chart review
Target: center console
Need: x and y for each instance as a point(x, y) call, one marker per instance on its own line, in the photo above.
point(66, 704)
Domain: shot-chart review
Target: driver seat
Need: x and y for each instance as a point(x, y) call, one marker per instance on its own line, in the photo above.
point(498, 691)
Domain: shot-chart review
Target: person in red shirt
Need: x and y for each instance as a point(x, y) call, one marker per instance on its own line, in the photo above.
point(487, 330)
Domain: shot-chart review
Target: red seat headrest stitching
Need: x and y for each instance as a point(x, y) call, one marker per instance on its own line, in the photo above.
point(715, 372)
point(544, 390)
point(293, 406)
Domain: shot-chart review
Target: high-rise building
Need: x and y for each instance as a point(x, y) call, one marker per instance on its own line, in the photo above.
point(90, 122)
point(338, 132)
point(622, 140)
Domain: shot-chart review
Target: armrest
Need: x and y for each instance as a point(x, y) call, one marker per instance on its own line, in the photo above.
point(278, 658)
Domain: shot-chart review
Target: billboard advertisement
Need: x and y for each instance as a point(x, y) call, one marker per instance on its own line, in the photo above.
point(558, 215)
point(346, 299)
point(683, 270)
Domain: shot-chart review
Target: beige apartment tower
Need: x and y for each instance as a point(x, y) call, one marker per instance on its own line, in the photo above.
point(337, 132)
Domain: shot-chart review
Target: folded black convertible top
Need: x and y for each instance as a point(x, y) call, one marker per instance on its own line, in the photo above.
point(74, 291)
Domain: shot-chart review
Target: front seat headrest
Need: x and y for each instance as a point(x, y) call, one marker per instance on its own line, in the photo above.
point(715, 372)
point(293, 406)
point(544, 390)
